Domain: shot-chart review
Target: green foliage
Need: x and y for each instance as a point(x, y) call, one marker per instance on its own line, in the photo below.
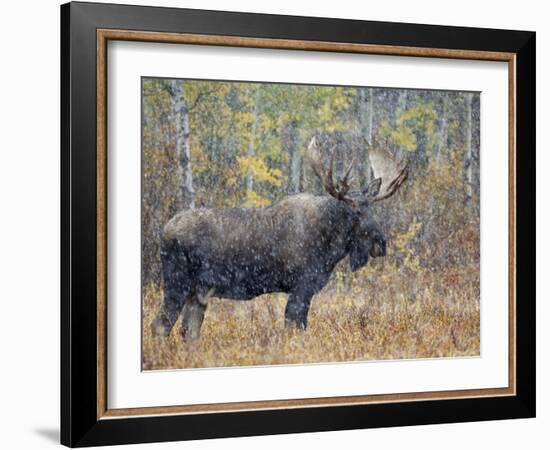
point(414, 124)
point(402, 245)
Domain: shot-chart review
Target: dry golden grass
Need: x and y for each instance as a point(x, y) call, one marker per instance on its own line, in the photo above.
point(377, 313)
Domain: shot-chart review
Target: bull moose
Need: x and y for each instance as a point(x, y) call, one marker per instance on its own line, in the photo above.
point(290, 247)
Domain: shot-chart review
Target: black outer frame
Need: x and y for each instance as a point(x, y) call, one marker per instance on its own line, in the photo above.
point(79, 424)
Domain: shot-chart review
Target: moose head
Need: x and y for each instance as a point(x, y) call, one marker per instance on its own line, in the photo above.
point(368, 239)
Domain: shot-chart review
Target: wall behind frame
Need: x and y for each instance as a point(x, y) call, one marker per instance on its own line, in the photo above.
point(29, 242)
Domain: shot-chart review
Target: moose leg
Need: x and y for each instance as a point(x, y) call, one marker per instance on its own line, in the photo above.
point(193, 315)
point(176, 291)
point(169, 312)
point(296, 311)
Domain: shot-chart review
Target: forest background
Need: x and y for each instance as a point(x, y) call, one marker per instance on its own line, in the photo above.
point(237, 144)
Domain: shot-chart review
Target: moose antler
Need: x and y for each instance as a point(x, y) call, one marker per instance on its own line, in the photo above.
point(389, 175)
point(339, 189)
point(385, 167)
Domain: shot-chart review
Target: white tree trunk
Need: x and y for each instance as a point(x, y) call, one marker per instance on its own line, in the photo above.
point(443, 130)
point(366, 112)
point(252, 143)
point(370, 112)
point(295, 159)
point(402, 101)
point(468, 154)
point(186, 192)
point(401, 108)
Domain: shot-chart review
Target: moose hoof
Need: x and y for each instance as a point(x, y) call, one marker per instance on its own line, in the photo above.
point(188, 334)
point(295, 325)
point(160, 326)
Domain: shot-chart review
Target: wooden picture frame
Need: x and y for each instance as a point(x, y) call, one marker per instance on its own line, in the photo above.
point(86, 418)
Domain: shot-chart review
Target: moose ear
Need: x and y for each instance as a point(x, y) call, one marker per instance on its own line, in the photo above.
point(373, 187)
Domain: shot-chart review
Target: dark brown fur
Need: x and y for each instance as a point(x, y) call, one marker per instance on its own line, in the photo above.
point(292, 246)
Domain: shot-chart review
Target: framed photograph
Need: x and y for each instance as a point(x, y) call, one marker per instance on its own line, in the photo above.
point(276, 224)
